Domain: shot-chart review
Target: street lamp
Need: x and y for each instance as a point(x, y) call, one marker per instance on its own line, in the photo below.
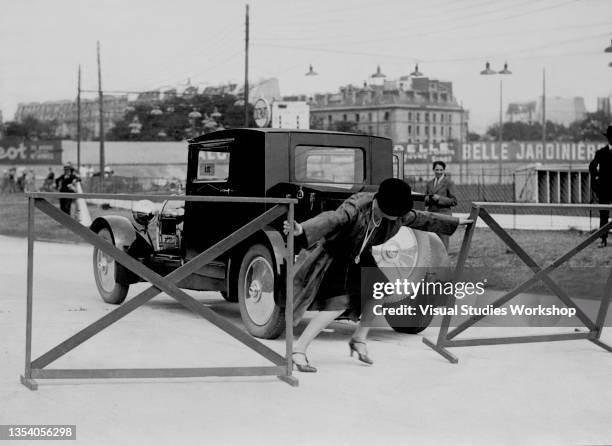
point(487, 72)
point(311, 72)
point(416, 72)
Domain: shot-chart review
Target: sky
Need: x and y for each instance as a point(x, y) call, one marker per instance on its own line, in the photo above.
point(147, 44)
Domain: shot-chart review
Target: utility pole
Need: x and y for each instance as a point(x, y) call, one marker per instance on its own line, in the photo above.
point(501, 126)
point(246, 69)
point(100, 98)
point(78, 125)
point(543, 105)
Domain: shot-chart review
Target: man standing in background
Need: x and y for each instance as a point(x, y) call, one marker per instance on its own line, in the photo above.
point(601, 181)
point(440, 194)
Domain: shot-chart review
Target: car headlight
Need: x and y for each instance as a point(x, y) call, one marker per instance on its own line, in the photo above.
point(143, 212)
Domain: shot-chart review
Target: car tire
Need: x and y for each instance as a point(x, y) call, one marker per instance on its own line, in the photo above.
point(431, 256)
point(257, 281)
point(104, 273)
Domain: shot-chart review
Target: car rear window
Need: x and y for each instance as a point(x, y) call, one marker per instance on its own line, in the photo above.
point(213, 165)
point(339, 165)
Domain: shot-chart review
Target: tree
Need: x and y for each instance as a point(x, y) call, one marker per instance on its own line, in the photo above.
point(591, 127)
point(345, 126)
point(30, 128)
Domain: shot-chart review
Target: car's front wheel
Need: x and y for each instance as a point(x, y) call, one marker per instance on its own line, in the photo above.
point(104, 273)
point(257, 278)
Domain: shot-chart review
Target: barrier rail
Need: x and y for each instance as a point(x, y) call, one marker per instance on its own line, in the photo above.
point(283, 366)
point(446, 337)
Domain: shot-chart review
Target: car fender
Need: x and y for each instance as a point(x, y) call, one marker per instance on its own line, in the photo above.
point(277, 242)
point(126, 238)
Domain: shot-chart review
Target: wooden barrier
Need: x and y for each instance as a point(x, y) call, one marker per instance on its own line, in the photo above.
point(283, 366)
point(446, 337)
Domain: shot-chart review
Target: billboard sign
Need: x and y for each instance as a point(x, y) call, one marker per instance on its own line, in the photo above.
point(493, 151)
point(290, 115)
point(17, 151)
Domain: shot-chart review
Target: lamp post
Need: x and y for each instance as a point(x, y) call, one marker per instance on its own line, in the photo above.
point(488, 72)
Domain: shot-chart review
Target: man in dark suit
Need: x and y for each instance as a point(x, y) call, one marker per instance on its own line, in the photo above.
point(440, 194)
point(601, 180)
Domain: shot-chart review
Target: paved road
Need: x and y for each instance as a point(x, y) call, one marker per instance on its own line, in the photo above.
point(547, 393)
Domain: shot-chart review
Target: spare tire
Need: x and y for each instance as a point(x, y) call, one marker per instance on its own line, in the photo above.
point(415, 256)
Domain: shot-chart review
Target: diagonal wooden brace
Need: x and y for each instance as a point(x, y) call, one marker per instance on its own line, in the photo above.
point(166, 284)
point(528, 260)
point(529, 282)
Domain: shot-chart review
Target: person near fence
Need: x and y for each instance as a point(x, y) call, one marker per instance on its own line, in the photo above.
point(67, 183)
point(338, 243)
point(440, 194)
point(600, 169)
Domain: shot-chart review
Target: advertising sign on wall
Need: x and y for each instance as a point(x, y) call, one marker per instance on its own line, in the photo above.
point(493, 151)
point(18, 152)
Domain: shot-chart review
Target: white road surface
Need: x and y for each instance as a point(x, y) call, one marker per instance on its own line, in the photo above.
point(530, 394)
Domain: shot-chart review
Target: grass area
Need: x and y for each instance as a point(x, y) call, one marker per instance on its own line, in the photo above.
point(583, 276)
point(14, 220)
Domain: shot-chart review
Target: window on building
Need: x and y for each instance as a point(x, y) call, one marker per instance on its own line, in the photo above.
point(344, 118)
point(370, 117)
point(409, 116)
point(418, 115)
point(386, 116)
point(329, 119)
point(418, 130)
point(433, 116)
point(434, 130)
point(441, 131)
point(427, 130)
point(450, 118)
point(450, 132)
point(410, 130)
point(356, 117)
point(441, 117)
point(426, 117)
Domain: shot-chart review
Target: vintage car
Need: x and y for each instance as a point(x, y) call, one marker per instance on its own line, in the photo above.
point(320, 169)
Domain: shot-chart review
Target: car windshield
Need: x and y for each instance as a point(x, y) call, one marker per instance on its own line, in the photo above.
point(213, 165)
point(339, 165)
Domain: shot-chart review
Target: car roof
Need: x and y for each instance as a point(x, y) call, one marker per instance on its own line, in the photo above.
point(228, 132)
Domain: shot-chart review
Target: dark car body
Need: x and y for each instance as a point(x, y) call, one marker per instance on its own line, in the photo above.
point(318, 168)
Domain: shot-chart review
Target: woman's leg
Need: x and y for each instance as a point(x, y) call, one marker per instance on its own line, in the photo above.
point(314, 327)
point(367, 313)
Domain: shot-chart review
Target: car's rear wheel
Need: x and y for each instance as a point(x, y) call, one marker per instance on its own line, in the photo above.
point(257, 278)
point(104, 273)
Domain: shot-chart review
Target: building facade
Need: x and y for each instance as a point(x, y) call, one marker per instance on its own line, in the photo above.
point(410, 110)
point(63, 114)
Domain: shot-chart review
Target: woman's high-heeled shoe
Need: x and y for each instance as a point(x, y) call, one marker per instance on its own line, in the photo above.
point(306, 368)
point(363, 354)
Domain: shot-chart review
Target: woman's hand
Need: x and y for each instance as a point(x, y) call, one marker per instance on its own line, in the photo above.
point(297, 228)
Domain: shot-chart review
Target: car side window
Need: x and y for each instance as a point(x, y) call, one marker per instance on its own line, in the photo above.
point(322, 164)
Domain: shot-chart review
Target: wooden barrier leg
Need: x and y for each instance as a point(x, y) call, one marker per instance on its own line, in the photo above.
point(289, 252)
point(26, 378)
point(439, 346)
point(601, 315)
